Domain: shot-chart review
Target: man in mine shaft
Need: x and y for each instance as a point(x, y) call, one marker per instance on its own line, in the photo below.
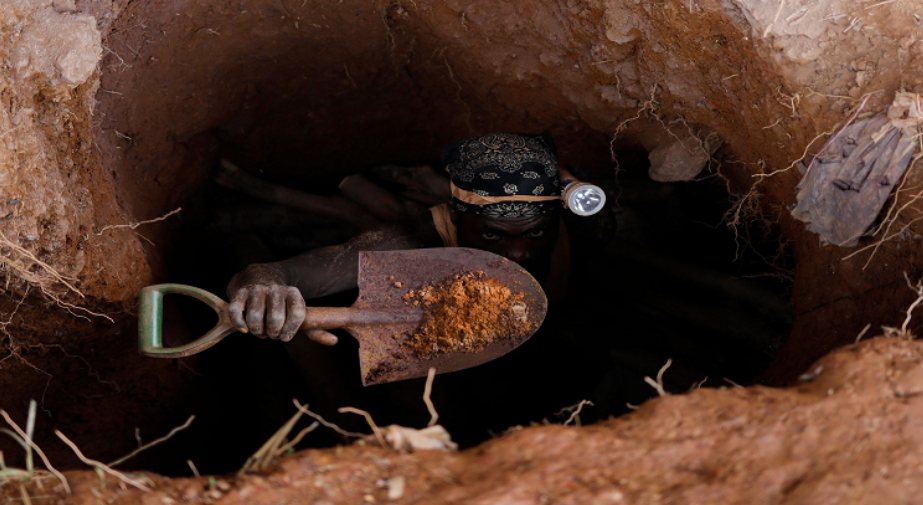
point(506, 199)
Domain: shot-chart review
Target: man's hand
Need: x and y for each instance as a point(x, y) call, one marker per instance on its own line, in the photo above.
point(268, 310)
point(267, 299)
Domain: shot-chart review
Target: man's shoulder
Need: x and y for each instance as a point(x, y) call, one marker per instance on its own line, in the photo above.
point(415, 231)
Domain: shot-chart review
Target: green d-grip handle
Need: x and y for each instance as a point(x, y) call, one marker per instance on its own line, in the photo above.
point(150, 321)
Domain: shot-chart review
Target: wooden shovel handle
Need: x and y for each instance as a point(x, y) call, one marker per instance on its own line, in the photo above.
point(344, 317)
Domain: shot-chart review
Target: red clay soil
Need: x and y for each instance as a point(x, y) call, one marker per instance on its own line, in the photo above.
point(312, 91)
point(465, 313)
point(850, 432)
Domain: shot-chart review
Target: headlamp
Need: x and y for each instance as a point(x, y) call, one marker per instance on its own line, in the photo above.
point(581, 198)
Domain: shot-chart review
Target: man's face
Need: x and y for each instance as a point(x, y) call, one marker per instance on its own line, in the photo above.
point(527, 241)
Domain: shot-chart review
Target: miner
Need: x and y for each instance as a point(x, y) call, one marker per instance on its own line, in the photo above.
point(505, 199)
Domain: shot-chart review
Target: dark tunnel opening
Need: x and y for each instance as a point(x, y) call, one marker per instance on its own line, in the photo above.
point(656, 276)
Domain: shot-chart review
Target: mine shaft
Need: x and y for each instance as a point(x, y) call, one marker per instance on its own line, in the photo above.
point(739, 318)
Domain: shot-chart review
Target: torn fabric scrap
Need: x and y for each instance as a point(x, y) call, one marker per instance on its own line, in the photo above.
point(849, 182)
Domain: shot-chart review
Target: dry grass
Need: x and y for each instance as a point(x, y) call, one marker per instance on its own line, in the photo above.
point(276, 445)
point(102, 467)
point(24, 438)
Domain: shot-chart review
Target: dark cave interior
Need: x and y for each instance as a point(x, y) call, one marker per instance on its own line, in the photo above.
point(655, 276)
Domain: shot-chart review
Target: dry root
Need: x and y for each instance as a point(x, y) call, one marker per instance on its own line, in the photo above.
point(399, 438)
point(574, 411)
point(140, 483)
point(14, 350)
point(896, 212)
point(135, 224)
point(22, 263)
point(903, 332)
point(745, 207)
point(379, 435)
point(427, 392)
point(334, 427)
point(142, 448)
point(658, 384)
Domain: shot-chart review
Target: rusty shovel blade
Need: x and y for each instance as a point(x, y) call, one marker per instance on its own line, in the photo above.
point(385, 277)
point(381, 319)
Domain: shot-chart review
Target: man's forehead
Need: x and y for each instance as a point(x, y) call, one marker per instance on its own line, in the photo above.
point(514, 223)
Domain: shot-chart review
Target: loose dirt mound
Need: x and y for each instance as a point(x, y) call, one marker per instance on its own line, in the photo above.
point(850, 433)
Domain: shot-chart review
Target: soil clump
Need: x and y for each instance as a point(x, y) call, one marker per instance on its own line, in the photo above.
point(465, 313)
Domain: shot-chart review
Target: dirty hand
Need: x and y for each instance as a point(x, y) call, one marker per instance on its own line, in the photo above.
point(267, 310)
point(272, 310)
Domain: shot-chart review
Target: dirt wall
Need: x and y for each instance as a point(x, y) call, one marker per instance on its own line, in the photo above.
point(114, 111)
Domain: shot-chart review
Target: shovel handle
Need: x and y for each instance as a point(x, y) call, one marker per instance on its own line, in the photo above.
point(327, 318)
point(150, 321)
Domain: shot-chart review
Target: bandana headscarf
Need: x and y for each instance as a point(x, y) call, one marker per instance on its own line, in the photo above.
point(504, 175)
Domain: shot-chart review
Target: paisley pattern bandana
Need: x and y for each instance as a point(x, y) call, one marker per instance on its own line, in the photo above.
point(504, 175)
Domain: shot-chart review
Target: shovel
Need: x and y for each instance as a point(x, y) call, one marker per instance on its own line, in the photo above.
point(383, 319)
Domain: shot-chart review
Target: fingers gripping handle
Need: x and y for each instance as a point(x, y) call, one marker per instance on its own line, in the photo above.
point(150, 321)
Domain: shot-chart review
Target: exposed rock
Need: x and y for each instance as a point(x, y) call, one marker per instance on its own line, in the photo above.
point(683, 157)
point(64, 48)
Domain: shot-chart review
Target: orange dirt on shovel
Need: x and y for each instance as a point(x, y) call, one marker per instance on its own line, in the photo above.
point(448, 308)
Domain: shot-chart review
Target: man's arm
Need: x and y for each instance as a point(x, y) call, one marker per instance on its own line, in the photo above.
point(267, 299)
